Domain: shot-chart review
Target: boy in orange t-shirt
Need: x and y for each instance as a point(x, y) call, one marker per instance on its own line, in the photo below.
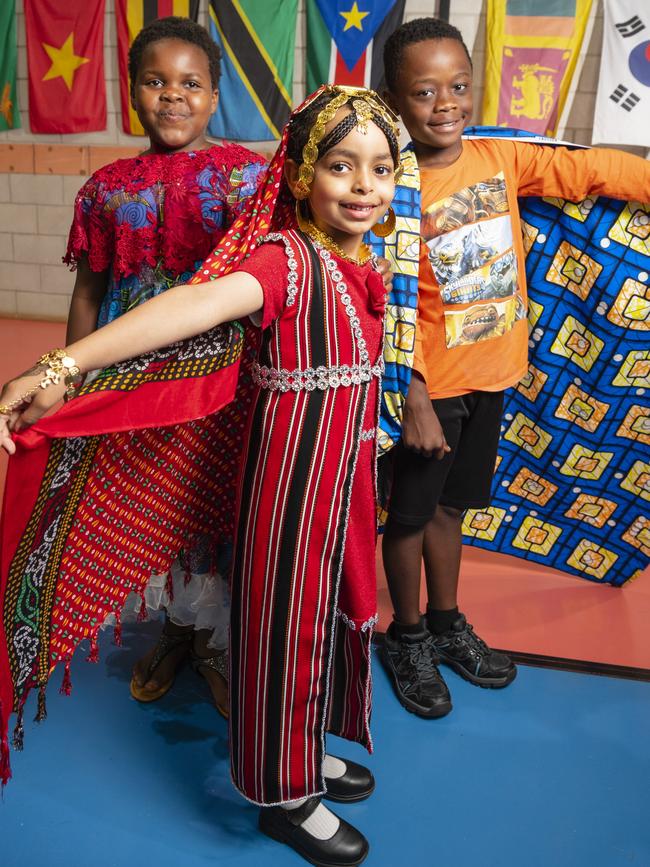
point(471, 343)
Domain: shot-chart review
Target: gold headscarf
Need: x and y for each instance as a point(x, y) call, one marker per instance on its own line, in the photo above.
point(366, 105)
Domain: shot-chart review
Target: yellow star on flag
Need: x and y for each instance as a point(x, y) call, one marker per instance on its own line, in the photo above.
point(354, 17)
point(64, 61)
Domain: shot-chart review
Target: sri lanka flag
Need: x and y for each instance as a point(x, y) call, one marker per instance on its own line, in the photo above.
point(532, 50)
point(65, 57)
point(257, 42)
point(131, 16)
point(345, 40)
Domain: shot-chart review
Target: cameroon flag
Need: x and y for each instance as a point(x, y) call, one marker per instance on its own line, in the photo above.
point(257, 41)
point(345, 41)
point(132, 16)
point(9, 116)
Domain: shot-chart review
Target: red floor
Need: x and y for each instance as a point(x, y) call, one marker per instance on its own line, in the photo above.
point(514, 604)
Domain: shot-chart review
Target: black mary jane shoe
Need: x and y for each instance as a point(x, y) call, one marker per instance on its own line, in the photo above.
point(356, 784)
point(346, 848)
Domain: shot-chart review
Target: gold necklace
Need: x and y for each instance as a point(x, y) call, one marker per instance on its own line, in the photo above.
point(316, 234)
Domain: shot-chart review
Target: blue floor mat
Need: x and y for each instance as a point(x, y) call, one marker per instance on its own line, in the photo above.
point(553, 771)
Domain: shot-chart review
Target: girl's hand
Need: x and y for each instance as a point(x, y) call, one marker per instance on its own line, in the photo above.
point(421, 428)
point(30, 410)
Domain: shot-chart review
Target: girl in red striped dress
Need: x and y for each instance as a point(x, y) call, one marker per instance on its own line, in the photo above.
point(303, 587)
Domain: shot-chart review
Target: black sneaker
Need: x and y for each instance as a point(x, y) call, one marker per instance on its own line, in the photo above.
point(461, 649)
point(412, 663)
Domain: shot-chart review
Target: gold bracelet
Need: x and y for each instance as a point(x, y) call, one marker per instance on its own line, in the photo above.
point(73, 382)
point(57, 365)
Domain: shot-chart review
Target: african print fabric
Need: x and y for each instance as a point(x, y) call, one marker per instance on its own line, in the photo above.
point(114, 485)
point(401, 249)
point(117, 483)
point(572, 481)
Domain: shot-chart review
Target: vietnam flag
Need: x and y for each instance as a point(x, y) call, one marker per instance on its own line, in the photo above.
point(131, 17)
point(345, 41)
point(65, 56)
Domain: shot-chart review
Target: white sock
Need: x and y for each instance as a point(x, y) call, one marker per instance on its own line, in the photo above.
point(333, 768)
point(322, 824)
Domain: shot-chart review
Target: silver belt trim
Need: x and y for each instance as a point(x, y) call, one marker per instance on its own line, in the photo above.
point(315, 377)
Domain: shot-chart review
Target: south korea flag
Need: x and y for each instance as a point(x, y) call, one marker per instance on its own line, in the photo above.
point(623, 99)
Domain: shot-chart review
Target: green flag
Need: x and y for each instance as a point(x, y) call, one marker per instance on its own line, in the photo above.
point(9, 115)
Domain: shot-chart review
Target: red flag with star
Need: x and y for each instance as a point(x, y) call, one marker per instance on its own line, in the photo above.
point(65, 56)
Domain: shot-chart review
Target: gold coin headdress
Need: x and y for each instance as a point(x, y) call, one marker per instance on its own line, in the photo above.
point(365, 106)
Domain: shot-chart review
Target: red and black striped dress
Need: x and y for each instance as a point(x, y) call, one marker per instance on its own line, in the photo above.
point(304, 598)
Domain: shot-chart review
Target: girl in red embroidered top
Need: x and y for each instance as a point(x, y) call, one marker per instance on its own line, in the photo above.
point(146, 223)
point(142, 225)
point(303, 585)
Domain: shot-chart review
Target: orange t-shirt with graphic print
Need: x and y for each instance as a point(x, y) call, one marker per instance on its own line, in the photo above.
point(471, 332)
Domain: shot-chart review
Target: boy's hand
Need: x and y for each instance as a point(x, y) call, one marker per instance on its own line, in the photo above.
point(421, 429)
point(383, 266)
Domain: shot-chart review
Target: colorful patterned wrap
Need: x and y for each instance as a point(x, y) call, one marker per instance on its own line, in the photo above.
point(572, 480)
point(146, 451)
point(108, 490)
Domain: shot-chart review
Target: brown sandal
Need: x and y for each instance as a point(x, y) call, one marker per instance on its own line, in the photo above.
point(218, 663)
point(166, 644)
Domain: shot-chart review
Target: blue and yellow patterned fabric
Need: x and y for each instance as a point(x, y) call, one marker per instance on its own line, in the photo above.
point(572, 483)
point(402, 249)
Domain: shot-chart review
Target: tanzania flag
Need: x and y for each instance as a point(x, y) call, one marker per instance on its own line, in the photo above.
point(345, 40)
point(65, 56)
point(132, 16)
point(9, 116)
point(258, 43)
point(532, 50)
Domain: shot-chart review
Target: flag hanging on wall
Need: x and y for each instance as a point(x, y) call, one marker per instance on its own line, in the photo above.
point(131, 16)
point(65, 59)
point(257, 42)
point(532, 51)
point(9, 115)
point(345, 40)
point(623, 99)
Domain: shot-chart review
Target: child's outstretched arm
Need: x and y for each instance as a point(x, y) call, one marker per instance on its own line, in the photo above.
point(179, 313)
point(546, 170)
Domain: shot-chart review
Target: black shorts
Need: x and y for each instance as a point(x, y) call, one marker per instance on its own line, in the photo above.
point(463, 478)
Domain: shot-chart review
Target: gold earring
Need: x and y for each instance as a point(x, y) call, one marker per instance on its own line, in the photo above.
point(383, 230)
point(303, 223)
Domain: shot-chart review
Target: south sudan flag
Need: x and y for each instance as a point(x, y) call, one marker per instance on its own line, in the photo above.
point(132, 16)
point(257, 42)
point(345, 41)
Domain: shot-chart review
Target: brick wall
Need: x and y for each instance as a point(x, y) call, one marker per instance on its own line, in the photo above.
point(40, 174)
